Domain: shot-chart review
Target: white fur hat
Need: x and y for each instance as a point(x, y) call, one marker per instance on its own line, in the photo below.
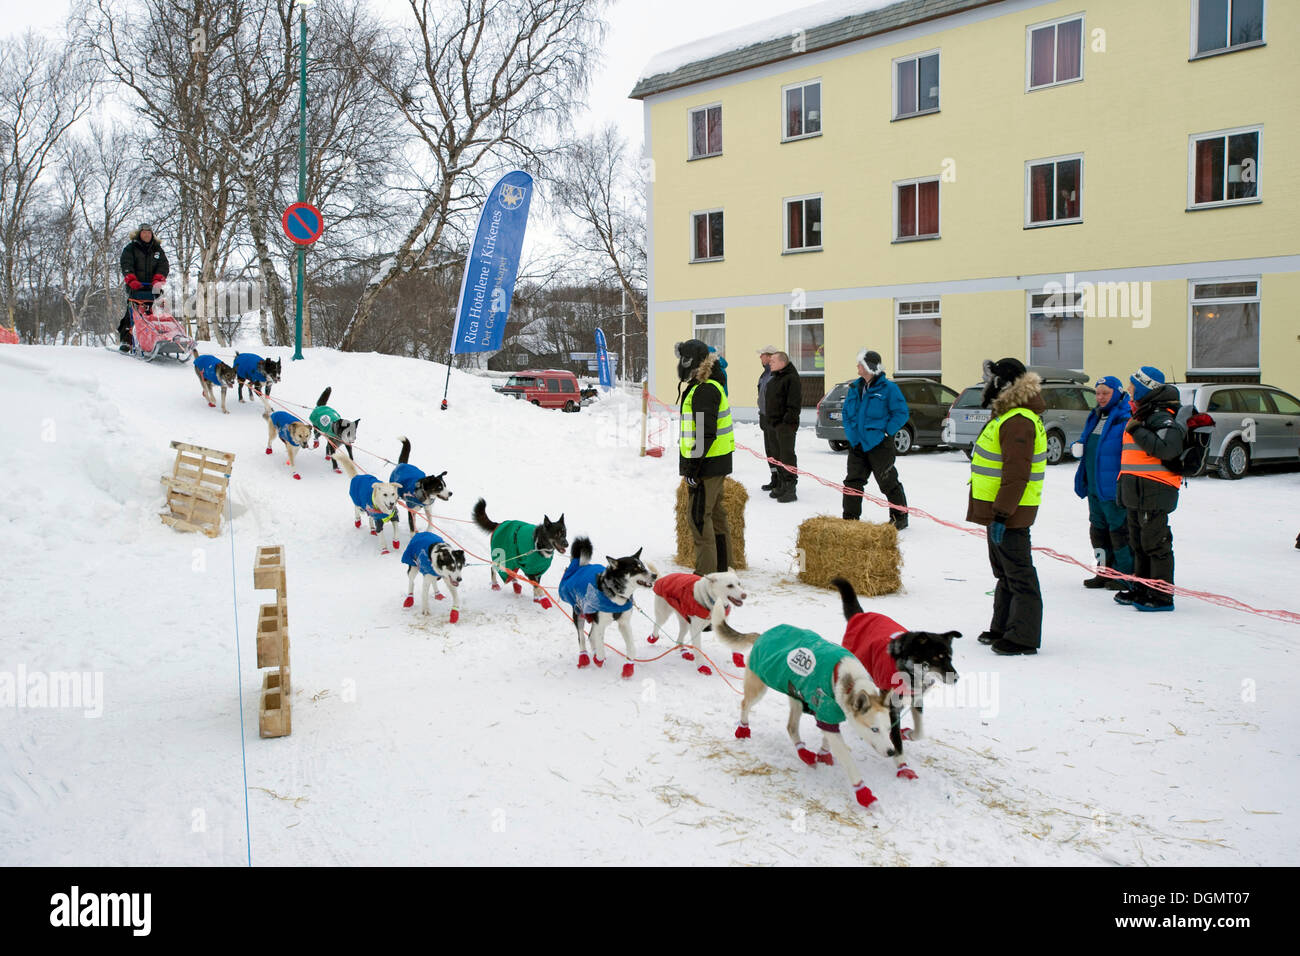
point(872, 361)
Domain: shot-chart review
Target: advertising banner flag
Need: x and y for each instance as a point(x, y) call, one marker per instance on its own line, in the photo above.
point(602, 361)
point(492, 265)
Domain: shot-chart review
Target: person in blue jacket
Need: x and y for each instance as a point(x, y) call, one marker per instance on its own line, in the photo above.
point(1097, 477)
point(874, 410)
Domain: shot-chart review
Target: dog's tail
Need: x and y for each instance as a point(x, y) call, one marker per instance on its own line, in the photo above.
point(266, 404)
point(726, 633)
point(481, 518)
point(348, 464)
point(581, 550)
point(849, 596)
point(324, 396)
point(405, 456)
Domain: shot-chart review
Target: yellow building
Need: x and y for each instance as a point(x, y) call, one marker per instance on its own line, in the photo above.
point(1080, 185)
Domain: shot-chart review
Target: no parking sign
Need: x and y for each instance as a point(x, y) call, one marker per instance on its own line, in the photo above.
point(303, 223)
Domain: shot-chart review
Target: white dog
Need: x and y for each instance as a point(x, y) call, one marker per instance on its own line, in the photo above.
point(692, 597)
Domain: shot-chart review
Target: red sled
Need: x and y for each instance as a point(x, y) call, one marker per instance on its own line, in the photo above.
point(155, 332)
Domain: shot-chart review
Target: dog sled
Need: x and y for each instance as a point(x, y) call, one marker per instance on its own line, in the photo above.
point(156, 333)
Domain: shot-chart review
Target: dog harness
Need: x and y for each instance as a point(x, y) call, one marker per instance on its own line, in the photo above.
point(206, 365)
point(416, 554)
point(867, 637)
point(246, 367)
point(408, 476)
point(324, 418)
point(514, 547)
point(282, 421)
point(362, 491)
point(801, 664)
point(678, 590)
point(579, 588)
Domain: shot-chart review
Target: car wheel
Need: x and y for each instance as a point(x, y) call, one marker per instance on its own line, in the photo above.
point(537, 403)
point(838, 445)
point(1235, 461)
point(903, 440)
point(1055, 448)
point(570, 406)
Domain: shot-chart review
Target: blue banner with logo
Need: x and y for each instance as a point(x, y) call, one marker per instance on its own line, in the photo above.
point(602, 361)
point(492, 265)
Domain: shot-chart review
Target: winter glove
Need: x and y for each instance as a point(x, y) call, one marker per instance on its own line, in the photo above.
point(159, 279)
point(132, 282)
point(696, 500)
point(1077, 449)
point(996, 530)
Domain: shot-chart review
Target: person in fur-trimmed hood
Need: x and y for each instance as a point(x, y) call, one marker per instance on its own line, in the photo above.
point(706, 446)
point(1008, 465)
point(144, 271)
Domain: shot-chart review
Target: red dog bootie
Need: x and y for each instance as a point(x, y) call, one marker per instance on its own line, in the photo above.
point(210, 405)
point(584, 660)
point(297, 477)
point(738, 658)
point(742, 732)
point(652, 638)
point(806, 755)
point(357, 523)
point(705, 670)
point(268, 449)
point(824, 756)
point(543, 601)
point(439, 596)
point(906, 733)
point(905, 772)
point(627, 670)
point(316, 443)
point(687, 655)
point(519, 588)
point(598, 661)
point(455, 616)
point(496, 585)
point(410, 601)
point(397, 544)
point(864, 794)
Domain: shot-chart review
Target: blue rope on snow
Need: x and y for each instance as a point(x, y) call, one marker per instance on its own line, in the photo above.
point(243, 747)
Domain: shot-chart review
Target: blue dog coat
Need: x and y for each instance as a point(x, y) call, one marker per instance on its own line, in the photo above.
point(416, 554)
point(362, 490)
point(206, 365)
point(246, 367)
point(282, 421)
point(578, 587)
point(407, 475)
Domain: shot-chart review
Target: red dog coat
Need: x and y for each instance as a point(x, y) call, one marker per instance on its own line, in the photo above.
point(679, 591)
point(868, 636)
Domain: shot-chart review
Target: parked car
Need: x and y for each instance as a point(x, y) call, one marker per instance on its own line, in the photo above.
point(1066, 393)
point(547, 388)
point(1253, 424)
point(927, 404)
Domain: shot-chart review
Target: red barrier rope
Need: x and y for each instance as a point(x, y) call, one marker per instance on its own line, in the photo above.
point(1222, 600)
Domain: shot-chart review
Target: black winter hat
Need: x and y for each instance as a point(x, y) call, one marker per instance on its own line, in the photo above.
point(689, 356)
point(998, 375)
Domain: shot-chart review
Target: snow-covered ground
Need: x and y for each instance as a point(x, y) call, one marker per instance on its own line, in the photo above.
point(1130, 739)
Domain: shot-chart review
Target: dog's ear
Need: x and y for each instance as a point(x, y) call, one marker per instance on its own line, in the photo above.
point(638, 552)
point(610, 562)
point(458, 555)
point(440, 475)
point(950, 636)
point(897, 647)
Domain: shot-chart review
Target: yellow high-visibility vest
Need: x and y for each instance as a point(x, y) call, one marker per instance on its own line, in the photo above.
point(724, 443)
point(986, 461)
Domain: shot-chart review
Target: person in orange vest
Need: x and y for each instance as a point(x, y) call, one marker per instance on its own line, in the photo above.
point(1148, 488)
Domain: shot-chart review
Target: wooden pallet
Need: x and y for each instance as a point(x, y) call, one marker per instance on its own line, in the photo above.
point(273, 643)
point(196, 488)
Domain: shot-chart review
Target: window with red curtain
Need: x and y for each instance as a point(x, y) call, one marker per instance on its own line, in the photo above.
point(1041, 181)
point(702, 237)
point(1042, 48)
point(706, 131)
point(927, 215)
point(1209, 169)
point(794, 224)
point(1069, 50)
point(907, 211)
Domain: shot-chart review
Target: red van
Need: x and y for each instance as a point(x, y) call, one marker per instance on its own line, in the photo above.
point(548, 388)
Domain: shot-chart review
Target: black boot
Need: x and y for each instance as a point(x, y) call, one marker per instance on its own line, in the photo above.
point(771, 482)
point(989, 637)
point(787, 494)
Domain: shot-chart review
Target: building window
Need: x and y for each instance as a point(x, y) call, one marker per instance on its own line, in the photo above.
point(805, 334)
point(1055, 53)
point(1222, 25)
point(803, 224)
point(916, 85)
point(1225, 325)
point(919, 336)
point(706, 132)
point(1056, 329)
point(711, 329)
point(706, 235)
point(803, 110)
point(1054, 191)
point(916, 209)
point(1223, 168)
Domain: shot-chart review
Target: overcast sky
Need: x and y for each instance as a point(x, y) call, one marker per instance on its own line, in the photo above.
point(638, 29)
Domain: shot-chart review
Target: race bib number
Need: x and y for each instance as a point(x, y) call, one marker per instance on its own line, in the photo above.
point(325, 420)
point(802, 661)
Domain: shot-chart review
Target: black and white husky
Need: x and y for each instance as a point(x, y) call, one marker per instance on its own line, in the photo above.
point(601, 594)
point(447, 564)
point(419, 490)
point(269, 369)
point(337, 431)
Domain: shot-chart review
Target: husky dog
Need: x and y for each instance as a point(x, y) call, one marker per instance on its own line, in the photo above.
point(522, 549)
point(601, 594)
point(378, 499)
point(691, 597)
point(337, 431)
point(434, 560)
point(257, 373)
point(294, 432)
point(903, 664)
point(418, 489)
point(212, 371)
point(819, 678)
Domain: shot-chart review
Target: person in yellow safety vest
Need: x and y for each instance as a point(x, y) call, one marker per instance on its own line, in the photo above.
point(1147, 487)
point(706, 446)
point(1008, 465)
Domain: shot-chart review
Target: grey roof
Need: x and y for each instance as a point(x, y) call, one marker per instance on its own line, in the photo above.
point(844, 30)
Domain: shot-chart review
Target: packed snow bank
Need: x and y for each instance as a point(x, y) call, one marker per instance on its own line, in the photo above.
point(1127, 740)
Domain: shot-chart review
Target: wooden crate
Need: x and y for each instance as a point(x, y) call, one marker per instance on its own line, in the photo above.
point(272, 636)
point(274, 718)
point(196, 488)
point(268, 569)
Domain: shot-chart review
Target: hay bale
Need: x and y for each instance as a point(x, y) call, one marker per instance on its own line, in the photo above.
point(863, 553)
point(734, 497)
